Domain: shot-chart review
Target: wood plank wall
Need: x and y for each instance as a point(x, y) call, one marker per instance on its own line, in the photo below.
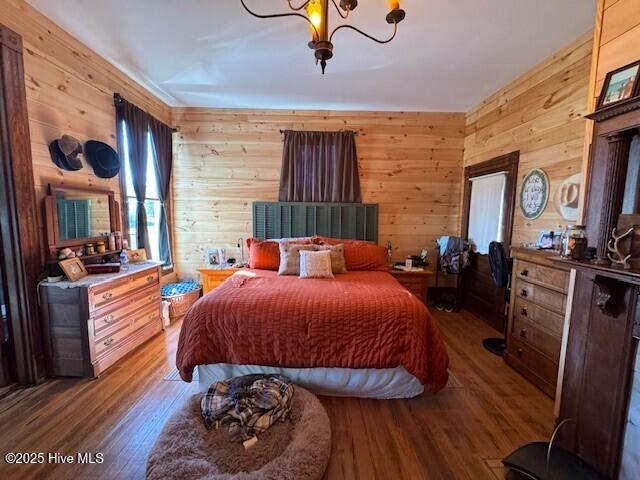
point(410, 163)
point(539, 114)
point(69, 91)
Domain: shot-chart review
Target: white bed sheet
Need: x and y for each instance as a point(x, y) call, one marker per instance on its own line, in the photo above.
point(385, 383)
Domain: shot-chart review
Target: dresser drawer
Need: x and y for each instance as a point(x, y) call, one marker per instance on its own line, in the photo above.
point(543, 275)
point(129, 325)
point(108, 319)
point(537, 338)
point(538, 368)
point(102, 295)
point(550, 299)
point(542, 318)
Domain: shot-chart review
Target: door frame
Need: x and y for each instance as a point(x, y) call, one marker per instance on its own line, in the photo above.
point(19, 230)
point(504, 163)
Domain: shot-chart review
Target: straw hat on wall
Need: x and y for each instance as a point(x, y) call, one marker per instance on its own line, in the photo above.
point(567, 197)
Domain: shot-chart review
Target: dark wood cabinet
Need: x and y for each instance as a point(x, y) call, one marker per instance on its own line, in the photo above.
point(602, 341)
point(598, 368)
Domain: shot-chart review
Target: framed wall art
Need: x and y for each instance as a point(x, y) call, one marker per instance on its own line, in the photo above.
point(534, 194)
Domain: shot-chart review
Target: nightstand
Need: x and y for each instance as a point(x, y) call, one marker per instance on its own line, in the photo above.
point(213, 277)
point(416, 282)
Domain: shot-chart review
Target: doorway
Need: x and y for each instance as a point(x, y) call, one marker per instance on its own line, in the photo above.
point(487, 216)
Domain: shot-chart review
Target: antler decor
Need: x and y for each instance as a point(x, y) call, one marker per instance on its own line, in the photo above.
point(616, 256)
point(317, 16)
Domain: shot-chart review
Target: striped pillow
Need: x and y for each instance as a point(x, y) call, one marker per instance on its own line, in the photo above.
point(315, 264)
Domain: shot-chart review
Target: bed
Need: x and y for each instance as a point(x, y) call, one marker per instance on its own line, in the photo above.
point(361, 334)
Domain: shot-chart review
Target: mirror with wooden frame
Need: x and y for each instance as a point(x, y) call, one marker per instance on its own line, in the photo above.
point(76, 216)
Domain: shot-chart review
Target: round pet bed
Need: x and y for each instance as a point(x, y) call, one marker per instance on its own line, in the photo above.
point(298, 448)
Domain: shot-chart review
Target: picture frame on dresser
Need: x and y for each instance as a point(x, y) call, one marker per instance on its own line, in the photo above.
point(73, 268)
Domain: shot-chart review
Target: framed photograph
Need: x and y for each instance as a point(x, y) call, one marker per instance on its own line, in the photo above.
point(215, 256)
point(137, 256)
point(620, 84)
point(73, 268)
point(549, 240)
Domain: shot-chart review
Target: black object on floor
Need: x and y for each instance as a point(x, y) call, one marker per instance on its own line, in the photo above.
point(497, 346)
point(536, 461)
point(500, 266)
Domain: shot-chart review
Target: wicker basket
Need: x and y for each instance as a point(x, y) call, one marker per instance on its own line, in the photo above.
point(179, 304)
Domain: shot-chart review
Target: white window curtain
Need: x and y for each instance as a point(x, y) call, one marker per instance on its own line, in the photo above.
point(486, 213)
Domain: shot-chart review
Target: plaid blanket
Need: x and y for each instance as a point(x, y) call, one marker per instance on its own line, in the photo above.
point(248, 404)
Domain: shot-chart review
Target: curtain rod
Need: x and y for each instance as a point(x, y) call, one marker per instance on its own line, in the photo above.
point(351, 131)
point(118, 99)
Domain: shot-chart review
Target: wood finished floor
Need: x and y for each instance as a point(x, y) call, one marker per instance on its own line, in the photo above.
point(461, 433)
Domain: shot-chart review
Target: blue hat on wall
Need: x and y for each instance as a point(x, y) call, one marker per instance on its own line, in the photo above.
point(104, 159)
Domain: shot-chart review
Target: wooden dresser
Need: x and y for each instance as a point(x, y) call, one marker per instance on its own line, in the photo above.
point(92, 323)
point(536, 317)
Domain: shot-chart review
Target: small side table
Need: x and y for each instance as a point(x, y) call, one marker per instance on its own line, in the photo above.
point(213, 277)
point(416, 282)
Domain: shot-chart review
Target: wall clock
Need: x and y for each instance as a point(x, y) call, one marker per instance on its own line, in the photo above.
point(534, 194)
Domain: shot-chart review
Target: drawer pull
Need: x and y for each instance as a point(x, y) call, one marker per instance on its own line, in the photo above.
point(109, 342)
point(107, 295)
point(523, 293)
point(520, 352)
point(150, 278)
point(524, 312)
point(524, 273)
point(523, 333)
point(108, 319)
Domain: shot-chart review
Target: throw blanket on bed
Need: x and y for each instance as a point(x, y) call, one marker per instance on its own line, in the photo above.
point(249, 404)
point(360, 319)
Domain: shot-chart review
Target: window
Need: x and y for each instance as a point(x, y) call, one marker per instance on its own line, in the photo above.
point(152, 200)
point(486, 212)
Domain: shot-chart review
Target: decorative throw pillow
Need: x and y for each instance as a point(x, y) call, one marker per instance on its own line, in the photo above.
point(290, 257)
point(365, 256)
point(315, 264)
point(264, 255)
point(338, 264)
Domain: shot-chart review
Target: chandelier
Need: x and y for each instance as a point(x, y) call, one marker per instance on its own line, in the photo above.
point(317, 16)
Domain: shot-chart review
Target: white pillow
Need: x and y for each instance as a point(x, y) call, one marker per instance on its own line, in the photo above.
point(315, 264)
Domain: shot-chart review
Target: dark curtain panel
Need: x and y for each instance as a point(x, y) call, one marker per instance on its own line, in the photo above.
point(320, 167)
point(161, 136)
point(137, 125)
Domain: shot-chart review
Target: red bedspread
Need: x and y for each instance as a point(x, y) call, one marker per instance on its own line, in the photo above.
point(358, 320)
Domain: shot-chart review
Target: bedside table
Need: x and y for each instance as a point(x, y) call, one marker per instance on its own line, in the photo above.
point(213, 277)
point(416, 282)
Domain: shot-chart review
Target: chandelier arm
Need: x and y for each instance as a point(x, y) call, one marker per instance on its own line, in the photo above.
point(345, 16)
point(350, 27)
point(296, 9)
point(280, 15)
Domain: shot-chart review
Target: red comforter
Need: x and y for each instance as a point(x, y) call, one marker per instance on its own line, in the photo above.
point(358, 320)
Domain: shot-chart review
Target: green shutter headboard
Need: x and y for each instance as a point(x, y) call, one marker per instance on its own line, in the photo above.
point(358, 221)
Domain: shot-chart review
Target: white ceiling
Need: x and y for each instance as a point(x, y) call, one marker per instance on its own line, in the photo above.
point(448, 55)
